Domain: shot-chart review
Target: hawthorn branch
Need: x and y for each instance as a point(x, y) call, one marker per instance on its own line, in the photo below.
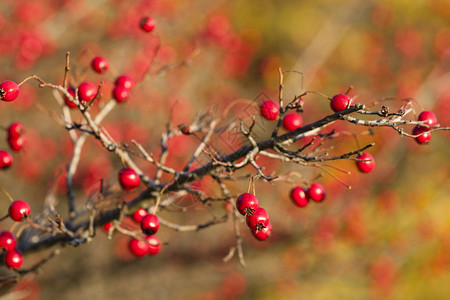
point(196, 227)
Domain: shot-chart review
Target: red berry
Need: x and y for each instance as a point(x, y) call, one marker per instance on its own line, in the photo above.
point(17, 144)
point(15, 130)
point(258, 219)
point(18, 210)
point(292, 121)
point(368, 164)
point(269, 110)
point(138, 248)
point(100, 64)
point(299, 197)
point(316, 192)
point(154, 244)
point(262, 234)
point(7, 240)
point(87, 91)
point(6, 159)
point(69, 103)
point(246, 203)
point(9, 90)
point(13, 259)
point(429, 117)
point(107, 226)
point(139, 214)
point(147, 24)
point(149, 224)
point(120, 93)
point(129, 179)
point(340, 102)
point(425, 136)
point(124, 81)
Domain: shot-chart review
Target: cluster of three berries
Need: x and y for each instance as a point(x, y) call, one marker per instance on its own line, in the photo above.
point(256, 217)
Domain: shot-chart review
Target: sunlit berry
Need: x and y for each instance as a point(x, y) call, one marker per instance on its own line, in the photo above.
point(100, 64)
point(263, 233)
point(154, 244)
point(316, 192)
point(6, 159)
point(18, 210)
point(423, 134)
point(13, 259)
point(87, 91)
point(368, 163)
point(7, 241)
point(124, 81)
point(257, 219)
point(429, 117)
point(139, 214)
point(149, 224)
point(9, 90)
point(269, 110)
point(299, 196)
point(120, 93)
point(340, 102)
point(129, 179)
point(246, 203)
point(138, 248)
point(292, 121)
point(15, 130)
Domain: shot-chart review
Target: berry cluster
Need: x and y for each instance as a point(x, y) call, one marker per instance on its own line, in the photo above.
point(18, 211)
point(13, 258)
point(16, 138)
point(150, 245)
point(423, 132)
point(256, 217)
point(84, 92)
point(9, 90)
point(149, 224)
point(139, 245)
point(143, 241)
point(123, 85)
point(301, 196)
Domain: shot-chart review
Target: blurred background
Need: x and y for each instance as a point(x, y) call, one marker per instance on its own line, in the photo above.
point(386, 238)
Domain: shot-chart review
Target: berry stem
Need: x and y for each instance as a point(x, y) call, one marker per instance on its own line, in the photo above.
point(249, 184)
point(28, 78)
point(7, 195)
point(350, 88)
point(334, 177)
point(66, 70)
point(356, 140)
point(281, 86)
